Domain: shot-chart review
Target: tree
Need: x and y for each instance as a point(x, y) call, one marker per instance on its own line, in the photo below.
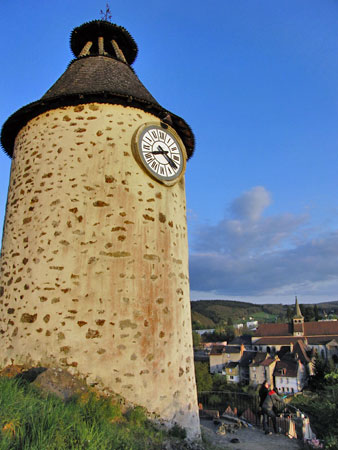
point(331, 378)
point(203, 377)
point(316, 313)
point(322, 367)
point(196, 339)
point(219, 382)
point(289, 313)
point(308, 313)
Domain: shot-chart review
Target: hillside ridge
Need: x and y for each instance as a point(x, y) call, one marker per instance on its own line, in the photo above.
point(215, 313)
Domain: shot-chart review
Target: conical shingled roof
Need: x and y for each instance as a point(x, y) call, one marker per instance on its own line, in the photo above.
point(298, 314)
point(101, 73)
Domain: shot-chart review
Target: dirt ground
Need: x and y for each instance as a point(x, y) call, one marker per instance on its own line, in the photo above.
point(249, 439)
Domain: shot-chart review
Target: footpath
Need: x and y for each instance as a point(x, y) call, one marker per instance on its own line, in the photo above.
point(250, 438)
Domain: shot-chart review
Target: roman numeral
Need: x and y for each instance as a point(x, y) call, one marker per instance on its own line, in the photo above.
point(149, 157)
point(154, 165)
point(148, 139)
point(145, 146)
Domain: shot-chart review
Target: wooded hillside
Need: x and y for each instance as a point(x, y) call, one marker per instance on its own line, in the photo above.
point(214, 313)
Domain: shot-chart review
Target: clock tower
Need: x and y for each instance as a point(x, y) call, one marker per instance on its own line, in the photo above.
point(94, 261)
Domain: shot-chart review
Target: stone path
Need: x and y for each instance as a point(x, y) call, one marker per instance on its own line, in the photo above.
point(249, 439)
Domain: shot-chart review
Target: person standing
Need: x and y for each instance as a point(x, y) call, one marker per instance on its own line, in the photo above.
point(272, 401)
point(263, 392)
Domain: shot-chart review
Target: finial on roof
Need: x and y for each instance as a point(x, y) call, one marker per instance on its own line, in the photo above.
point(106, 15)
point(298, 313)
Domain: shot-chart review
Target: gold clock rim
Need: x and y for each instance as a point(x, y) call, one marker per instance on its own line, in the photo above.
point(136, 151)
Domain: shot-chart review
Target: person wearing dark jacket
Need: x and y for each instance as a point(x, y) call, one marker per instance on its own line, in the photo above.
point(272, 401)
point(263, 392)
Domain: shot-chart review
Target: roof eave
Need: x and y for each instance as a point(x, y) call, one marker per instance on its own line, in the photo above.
point(21, 117)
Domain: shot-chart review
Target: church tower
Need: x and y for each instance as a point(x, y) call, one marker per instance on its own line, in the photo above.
point(94, 262)
point(298, 321)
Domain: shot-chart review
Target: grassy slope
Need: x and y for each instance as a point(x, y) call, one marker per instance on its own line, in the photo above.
point(30, 421)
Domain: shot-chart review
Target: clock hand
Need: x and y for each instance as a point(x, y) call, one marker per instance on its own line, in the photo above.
point(165, 154)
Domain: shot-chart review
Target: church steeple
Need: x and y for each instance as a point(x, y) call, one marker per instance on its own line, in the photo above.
point(298, 314)
point(298, 321)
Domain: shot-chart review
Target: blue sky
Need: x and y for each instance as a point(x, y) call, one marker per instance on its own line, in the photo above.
point(257, 80)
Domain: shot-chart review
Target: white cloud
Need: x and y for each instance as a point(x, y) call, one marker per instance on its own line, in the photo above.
point(251, 204)
point(248, 254)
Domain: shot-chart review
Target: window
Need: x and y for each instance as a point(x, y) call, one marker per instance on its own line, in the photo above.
point(231, 377)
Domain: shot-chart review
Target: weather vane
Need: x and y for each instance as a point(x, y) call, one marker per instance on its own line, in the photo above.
point(106, 15)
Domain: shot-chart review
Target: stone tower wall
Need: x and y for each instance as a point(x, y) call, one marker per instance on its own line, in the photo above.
point(94, 264)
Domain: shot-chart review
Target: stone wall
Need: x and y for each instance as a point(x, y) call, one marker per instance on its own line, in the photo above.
point(94, 264)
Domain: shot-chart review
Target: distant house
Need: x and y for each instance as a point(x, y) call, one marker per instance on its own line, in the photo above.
point(232, 371)
point(243, 366)
point(252, 325)
point(220, 356)
point(201, 332)
point(216, 359)
point(290, 375)
point(208, 345)
point(261, 368)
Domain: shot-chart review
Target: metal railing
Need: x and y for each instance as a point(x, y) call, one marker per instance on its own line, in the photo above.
point(246, 406)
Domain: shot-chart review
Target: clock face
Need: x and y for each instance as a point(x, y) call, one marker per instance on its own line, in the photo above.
point(160, 152)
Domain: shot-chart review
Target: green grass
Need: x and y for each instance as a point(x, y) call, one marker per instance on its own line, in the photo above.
point(28, 420)
point(263, 316)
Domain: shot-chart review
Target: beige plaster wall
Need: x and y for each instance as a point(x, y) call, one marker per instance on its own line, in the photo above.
point(94, 265)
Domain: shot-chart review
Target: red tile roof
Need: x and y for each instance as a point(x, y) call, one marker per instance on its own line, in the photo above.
point(284, 340)
point(310, 329)
point(273, 329)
